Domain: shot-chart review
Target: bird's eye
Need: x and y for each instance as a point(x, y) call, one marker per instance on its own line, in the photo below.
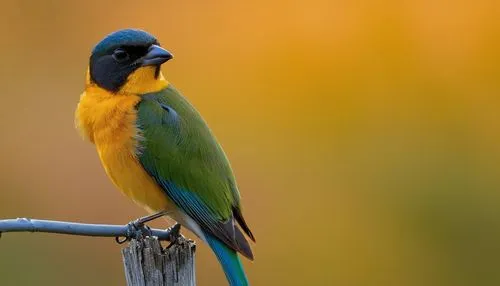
point(120, 55)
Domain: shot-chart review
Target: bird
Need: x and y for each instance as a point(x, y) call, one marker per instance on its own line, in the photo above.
point(157, 149)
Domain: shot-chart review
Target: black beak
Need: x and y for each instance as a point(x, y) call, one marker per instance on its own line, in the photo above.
point(156, 56)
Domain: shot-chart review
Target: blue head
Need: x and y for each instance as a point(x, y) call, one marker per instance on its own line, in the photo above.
point(120, 54)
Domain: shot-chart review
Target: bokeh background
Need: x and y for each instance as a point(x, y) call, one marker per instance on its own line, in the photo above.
point(365, 135)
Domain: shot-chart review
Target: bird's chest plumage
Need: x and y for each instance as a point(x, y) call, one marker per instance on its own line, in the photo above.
point(109, 121)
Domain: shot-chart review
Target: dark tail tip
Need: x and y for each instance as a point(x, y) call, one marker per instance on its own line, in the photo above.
point(241, 221)
point(242, 244)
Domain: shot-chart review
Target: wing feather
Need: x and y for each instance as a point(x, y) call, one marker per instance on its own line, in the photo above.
point(179, 151)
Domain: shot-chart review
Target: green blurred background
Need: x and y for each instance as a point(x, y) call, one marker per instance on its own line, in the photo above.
point(364, 135)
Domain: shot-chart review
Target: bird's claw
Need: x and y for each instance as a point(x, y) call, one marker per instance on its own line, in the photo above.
point(138, 228)
point(121, 240)
point(135, 229)
point(175, 235)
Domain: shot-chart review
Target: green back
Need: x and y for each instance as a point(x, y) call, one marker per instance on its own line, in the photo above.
point(185, 150)
point(179, 150)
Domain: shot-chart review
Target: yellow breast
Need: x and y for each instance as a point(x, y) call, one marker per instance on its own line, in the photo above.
point(109, 121)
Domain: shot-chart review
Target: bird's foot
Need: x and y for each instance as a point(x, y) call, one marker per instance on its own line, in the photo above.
point(138, 229)
point(135, 230)
point(175, 235)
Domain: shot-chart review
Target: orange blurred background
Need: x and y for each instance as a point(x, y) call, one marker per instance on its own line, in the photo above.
point(365, 135)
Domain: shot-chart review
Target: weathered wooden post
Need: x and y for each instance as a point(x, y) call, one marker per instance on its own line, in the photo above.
point(147, 263)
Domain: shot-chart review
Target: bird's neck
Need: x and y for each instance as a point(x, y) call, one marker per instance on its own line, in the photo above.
point(143, 80)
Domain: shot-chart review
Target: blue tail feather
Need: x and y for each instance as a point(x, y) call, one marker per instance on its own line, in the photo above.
point(229, 260)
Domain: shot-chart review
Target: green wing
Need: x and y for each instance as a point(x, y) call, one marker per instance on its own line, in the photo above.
point(180, 152)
